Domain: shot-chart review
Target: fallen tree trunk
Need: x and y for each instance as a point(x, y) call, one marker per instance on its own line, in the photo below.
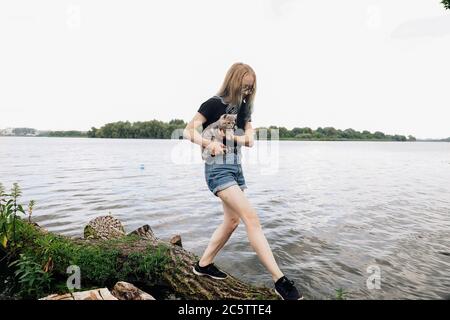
point(139, 258)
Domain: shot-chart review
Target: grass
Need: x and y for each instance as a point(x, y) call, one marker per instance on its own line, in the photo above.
point(47, 256)
point(34, 262)
point(340, 294)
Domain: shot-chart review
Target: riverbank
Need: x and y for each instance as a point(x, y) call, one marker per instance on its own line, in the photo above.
point(257, 139)
point(105, 256)
point(155, 129)
point(36, 263)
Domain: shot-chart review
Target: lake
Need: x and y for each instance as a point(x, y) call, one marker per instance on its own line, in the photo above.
point(372, 218)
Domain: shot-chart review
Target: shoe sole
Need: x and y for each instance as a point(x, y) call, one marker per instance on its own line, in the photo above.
point(208, 275)
point(301, 298)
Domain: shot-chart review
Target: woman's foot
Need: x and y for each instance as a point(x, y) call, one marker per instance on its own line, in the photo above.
point(286, 290)
point(210, 270)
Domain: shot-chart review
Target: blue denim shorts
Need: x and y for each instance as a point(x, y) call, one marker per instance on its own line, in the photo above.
point(220, 176)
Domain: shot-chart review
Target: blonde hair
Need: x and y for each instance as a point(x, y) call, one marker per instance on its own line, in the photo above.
point(231, 90)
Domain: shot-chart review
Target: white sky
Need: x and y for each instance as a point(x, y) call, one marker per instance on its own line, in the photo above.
point(375, 65)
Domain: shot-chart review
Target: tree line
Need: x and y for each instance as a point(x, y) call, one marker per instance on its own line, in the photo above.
point(156, 129)
point(153, 129)
point(69, 133)
point(330, 133)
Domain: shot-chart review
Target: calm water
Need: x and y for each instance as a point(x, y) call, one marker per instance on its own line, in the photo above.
point(330, 210)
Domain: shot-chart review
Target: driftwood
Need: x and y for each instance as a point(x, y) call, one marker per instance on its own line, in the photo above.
point(126, 291)
point(176, 240)
point(96, 294)
point(122, 291)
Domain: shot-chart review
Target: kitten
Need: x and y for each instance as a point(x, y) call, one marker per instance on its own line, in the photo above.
point(211, 132)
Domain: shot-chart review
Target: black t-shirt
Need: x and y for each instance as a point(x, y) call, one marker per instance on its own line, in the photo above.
point(214, 107)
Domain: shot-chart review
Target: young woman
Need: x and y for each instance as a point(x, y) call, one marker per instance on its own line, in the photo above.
point(225, 178)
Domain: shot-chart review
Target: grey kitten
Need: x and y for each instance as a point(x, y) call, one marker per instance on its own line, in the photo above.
point(211, 132)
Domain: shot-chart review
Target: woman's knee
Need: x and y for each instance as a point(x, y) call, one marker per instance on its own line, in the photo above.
point(251, 219)
point(232, 223)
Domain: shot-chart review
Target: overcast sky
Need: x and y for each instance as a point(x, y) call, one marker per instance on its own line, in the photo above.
point(376, 65)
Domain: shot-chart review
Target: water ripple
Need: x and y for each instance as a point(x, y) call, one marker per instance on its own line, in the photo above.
point(329, 212)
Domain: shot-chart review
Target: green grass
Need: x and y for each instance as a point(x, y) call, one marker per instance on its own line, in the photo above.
point(100, 264)
point(340, 294)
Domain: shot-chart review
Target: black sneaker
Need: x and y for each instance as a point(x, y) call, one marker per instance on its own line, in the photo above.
point(286, 290)
point(210, 270)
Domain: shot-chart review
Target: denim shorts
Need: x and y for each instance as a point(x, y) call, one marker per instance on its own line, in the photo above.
point(220, 176)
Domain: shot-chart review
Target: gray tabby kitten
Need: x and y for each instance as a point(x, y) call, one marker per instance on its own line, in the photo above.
point(211, 132)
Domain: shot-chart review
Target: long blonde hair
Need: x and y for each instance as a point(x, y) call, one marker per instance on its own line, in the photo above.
point(231, 90)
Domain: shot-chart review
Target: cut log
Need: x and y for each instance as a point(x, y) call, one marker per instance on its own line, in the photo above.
point(104, 227)
point(106, 294)
point(126, 291)
point(176, 241)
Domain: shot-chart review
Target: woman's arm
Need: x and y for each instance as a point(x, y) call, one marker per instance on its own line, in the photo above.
point(247, 139)
point(191, 133)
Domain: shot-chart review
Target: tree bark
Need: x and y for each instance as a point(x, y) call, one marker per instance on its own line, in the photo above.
point(126, 291)
point(190, 286)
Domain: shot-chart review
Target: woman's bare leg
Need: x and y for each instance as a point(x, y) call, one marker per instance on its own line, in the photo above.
point(221, 235)
point(235, 199)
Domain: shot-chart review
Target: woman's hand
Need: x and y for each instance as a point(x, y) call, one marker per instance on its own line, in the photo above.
point(216, 148)
point(227, 134)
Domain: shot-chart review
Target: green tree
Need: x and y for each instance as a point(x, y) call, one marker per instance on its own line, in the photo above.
point(91, 133)
point(330, 131)
point(349, 134)
point(320, 131)
point(295, 131)
point(306, 130)
point(23, 131)
point(317, 135)
point(446, 4)
point(304, 136)
point(379, 135)
point(69, 133)
point(366, 135)
point(399, 138)
point(153, 129)
point(283, 132)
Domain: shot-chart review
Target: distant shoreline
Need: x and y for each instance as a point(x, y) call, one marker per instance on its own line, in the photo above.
point(281, 139)
point(156, 129)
